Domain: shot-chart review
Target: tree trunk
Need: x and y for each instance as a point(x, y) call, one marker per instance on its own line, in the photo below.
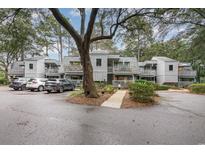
point(61, 48)
point(22, 56)
point(46, 50)
point(6, 73)
point(88, 82)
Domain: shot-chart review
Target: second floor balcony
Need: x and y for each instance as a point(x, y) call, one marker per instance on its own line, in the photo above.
point(121, 70)
point(73, 68)
point(51, 70)
point(187, 73)
point(147, 72)
point(16, 72)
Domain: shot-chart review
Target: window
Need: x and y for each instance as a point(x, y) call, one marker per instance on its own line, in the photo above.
point(170, 67)
point(30, 66)
point(127, 63)
point(98, 62)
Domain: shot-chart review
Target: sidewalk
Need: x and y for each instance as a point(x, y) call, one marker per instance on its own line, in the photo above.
point(115, 100)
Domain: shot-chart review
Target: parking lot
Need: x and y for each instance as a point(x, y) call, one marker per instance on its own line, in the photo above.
point(40, 118)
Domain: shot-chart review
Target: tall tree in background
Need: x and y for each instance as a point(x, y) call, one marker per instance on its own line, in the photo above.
point(16, 36)
point(52, 36)
point(138, 35)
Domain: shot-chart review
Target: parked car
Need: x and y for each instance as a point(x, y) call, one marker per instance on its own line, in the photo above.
point(58, 85)
point(19, 83)
point(36, 84)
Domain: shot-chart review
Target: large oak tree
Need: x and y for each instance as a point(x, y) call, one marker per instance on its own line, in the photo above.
point(110, 21)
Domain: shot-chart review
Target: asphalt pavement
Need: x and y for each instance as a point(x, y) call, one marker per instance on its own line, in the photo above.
point(40, 118)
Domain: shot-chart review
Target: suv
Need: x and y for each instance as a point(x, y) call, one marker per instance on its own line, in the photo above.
point(58, 85)
point(19, 83)
point(36, 84)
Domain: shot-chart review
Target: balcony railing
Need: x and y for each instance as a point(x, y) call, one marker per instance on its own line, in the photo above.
point(16, 72)
point(51, 71)
point(188, 73)
point(184, 83)
point(121, 69)
point(73, 68)
point(150, 72)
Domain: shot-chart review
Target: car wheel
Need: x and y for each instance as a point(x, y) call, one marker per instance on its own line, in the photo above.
point(32, 89)
point(61, 89)
point(48, 91)
point(16, 88)
point(40, 88)
point(23, 87)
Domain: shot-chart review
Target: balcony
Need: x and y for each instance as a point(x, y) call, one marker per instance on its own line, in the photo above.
point(51, 71)
point(16, 72)
point(73, 68)
point(148, 72)
point(187, 73)
point(121, 70)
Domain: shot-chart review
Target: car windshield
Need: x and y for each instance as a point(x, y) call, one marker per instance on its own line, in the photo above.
point(21, 79)
point(30, 80)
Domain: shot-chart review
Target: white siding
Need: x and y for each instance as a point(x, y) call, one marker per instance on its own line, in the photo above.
point(38, 69)
point(41, 68)
point(30, 73)
point(171, 76)
point(99, 72)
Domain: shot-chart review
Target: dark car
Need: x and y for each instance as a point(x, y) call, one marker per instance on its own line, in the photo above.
point(19, 84)
point(58, 85)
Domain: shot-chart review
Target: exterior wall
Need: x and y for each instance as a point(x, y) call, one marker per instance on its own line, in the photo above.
point(160, 72)
point(171, 76)
point(16, 69)
point(37, 71)
point(163, 73)
point(30, 73)
point(99, 72)
point(41, 68)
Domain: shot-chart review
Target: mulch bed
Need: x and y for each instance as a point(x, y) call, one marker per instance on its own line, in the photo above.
point(129, 103)
point(89, 101)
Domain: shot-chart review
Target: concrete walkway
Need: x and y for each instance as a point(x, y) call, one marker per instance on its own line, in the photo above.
point(115, 100)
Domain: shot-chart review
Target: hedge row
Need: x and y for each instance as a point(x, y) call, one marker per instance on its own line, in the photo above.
point(198, 88)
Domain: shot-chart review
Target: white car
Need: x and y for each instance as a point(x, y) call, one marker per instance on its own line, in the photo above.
point(36, 84)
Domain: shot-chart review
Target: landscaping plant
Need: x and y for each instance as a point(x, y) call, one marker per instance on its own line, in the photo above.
point(142, 91)
point(109, 89)
point(198, 88)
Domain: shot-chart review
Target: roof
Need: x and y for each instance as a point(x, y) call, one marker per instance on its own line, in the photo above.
point(52, 61)
point(185, 64)
point(35, 58)
point(163, 59)
point(147, 62)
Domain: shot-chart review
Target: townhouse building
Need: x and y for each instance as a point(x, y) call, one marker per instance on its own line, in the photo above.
point(36, 67)
point(110, 68)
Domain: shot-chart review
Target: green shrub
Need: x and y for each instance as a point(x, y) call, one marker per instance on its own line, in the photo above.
point(77, 93)
point(142, 91)
point(161, 87)
point(197, 88)
point(109, 89)
point(3, 81)
point(100, 85)
point(145, 82)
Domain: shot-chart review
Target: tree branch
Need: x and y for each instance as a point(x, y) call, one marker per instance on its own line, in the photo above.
point(91, 24)
point(63, 21)
point(82, 28)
